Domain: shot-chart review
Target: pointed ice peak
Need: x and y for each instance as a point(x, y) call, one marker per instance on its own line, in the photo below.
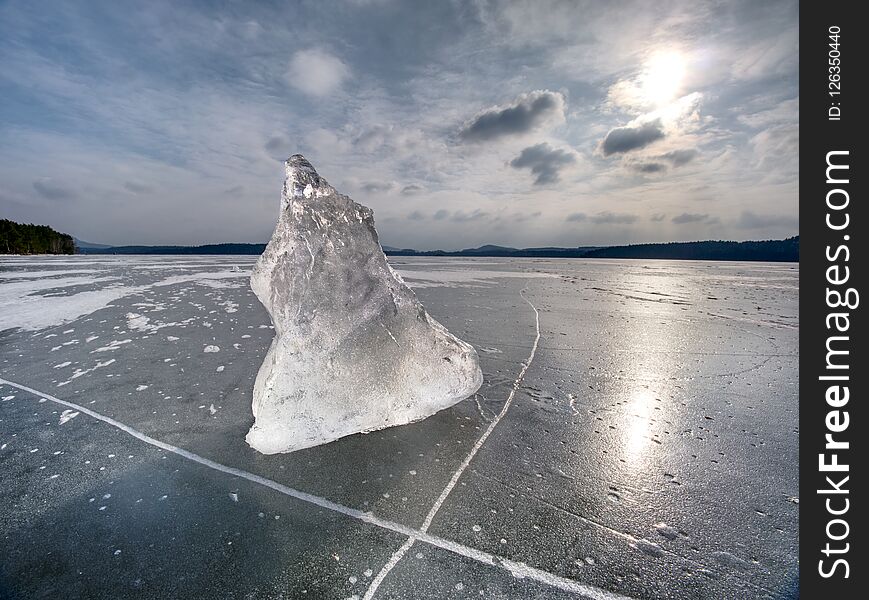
point(303, 179)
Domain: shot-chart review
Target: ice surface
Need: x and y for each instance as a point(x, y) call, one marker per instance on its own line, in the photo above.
point(355, 350)
point(634, 355)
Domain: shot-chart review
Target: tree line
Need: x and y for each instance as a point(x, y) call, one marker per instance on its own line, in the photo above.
point(20, 238)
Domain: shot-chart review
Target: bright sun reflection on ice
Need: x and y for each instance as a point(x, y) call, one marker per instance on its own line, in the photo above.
point(637, 435)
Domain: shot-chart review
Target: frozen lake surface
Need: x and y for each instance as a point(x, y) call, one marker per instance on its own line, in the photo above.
point(636, 435)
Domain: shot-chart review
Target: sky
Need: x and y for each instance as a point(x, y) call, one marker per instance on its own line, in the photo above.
point(518, 123)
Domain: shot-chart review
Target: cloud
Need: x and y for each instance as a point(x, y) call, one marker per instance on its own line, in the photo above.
point(651, 167)
point(461, 216)
point(521, 217)
point(376, 187)
point(576, 217)
point(774, 55)
point(278, 147)
point(777, 148)
point(316, 72)
point(686, 218)
point(680, 157)
point(137, 187)
point(544, 161)
point(410, 190)
point(527, 113)
point(52, 191)
point(625, 139)
point(658, 217)
point(784, 112)
point(441, 215)
point(750, 220)
point(610, 218)
point(661, 162)
point(416, 216)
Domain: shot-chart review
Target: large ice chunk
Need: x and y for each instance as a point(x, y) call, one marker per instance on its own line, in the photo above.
point(354, 349)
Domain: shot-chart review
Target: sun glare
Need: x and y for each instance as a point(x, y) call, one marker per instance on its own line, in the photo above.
point(662, 77)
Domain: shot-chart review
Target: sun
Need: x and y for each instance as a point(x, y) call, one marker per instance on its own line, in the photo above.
point(662, 76)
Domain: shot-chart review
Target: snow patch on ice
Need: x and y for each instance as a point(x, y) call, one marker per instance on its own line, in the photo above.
point(67, 415)
point(79, 372)
point(137, 322)
point(113, 345)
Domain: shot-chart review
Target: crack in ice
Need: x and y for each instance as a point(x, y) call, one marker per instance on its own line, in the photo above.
point(399, 554)
point(516, 569)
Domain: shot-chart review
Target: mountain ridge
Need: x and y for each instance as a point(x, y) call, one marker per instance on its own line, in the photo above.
point(786, 250)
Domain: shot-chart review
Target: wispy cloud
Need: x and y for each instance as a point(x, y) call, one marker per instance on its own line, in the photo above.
point(750, 220)
point(610, 218)
point(47, 188)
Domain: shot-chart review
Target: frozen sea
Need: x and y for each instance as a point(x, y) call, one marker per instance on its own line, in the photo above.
point(636, 436)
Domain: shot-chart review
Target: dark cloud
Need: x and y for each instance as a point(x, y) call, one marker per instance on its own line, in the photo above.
point(416, 216)
point(544, 161)
point(519, 217)
point(750, 220)
point(610, 218)
point(576, 217)
point(234, 191)
point(528, 112)
point(376, 187)
point(650, 167)
point(625, 139)
point(278, 147)
point(657, 217)
point(661, 162)
point(680, 157)
point(461, 216)
point(137, 187)
point(685, 218)
point(410, 190)
point(52, 191)
point(373, 138)
point(441, 215)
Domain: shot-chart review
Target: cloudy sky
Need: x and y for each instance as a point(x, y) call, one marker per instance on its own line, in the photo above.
point(521, 123)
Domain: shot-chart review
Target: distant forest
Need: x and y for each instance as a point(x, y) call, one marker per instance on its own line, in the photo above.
point(18, 238)
point(787, 250)
point(248, 249)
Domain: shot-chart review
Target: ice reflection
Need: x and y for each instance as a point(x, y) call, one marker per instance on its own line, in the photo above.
point(638, 429)
point(651, 363)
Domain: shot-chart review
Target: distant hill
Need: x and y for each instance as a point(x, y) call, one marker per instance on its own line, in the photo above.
point(21, 238)
point(770, 250)
point(81, 244)
point(496, 251)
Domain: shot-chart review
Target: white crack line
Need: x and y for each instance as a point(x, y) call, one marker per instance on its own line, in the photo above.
point(399, 554)
point(515, 568)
